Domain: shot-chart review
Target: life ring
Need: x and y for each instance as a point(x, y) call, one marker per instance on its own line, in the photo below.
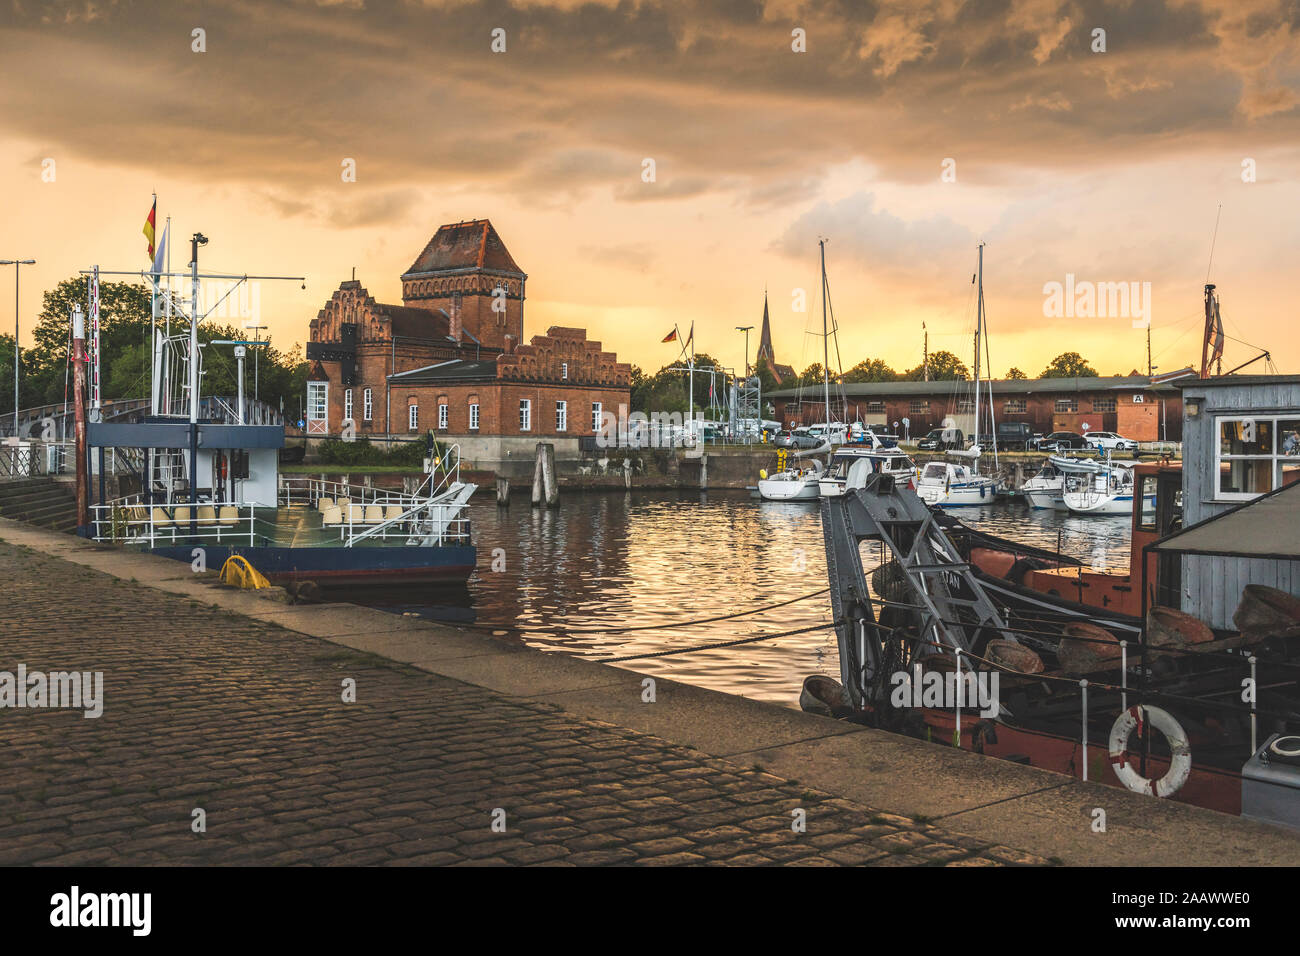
point(1180, 762)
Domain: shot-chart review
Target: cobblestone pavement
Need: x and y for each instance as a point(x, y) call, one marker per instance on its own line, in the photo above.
point(205, 709)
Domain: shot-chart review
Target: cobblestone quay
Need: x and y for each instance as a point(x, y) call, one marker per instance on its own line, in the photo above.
point(208, 710)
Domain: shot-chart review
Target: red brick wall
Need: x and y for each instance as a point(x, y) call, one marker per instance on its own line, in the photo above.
point(499, 407)
point(475, 289)
point(1040, 412)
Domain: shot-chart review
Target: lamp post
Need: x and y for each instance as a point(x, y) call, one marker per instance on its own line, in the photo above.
point(745, 329)
point(16, 263)
point(257, 330)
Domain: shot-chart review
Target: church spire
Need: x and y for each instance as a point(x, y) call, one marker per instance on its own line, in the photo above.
point(765, 337)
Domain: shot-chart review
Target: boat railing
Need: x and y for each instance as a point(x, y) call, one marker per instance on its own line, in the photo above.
point(133, 520)
point(439, 521)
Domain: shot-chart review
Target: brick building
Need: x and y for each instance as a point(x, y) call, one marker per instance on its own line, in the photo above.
point(1134, 406)
point(451, 358)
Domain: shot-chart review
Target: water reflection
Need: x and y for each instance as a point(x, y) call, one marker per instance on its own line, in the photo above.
point(631, 559)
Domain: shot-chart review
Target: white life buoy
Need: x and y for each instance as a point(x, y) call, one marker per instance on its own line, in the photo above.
point(1180, 763)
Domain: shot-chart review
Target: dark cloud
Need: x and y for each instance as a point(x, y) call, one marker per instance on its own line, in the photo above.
point(413, 92)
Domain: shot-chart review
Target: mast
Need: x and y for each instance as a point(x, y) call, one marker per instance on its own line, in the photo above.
point(79, 415)
point(979, 327)
point(826, 371)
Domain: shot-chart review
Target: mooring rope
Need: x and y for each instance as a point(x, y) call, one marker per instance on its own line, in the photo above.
point(645, 627)
point(719, 644)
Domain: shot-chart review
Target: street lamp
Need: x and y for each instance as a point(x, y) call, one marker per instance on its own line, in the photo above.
point(16, 263)
point(256, 331)
point(745, 329)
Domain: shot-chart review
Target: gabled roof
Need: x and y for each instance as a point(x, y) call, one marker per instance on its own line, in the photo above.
point(416, 323)
point(464, 245)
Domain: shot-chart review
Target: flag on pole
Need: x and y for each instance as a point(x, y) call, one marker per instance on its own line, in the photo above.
point(671, 336)
point(1216, 343)
point(691, 337)
point(149, 225)
point(161, 255)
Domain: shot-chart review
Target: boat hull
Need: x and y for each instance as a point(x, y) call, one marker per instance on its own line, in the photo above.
point(344, 567)
point(1087, 504)
point(771, 490)
point(977, 493)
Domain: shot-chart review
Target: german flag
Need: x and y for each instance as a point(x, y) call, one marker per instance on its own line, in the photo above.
point(671, 336)
point(149, 226)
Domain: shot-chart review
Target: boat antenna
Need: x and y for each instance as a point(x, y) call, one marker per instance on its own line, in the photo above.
point(826, 372)
point(1214, 238)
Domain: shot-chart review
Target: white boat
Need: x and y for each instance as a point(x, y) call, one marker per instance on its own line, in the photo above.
point(1109, 490)
point(796, 483)
point(1047, 488)
point(887, 461)
point(950, 484)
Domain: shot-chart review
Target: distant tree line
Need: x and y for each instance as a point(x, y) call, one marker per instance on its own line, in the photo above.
point(666, 390)
point(124, 319)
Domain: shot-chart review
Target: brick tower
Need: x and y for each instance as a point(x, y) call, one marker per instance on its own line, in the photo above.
point(466, 271)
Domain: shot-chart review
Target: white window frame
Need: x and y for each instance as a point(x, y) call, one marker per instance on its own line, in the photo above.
point(347, 404)
point(564, 370)
point(318, 405)
point(561, 416)
point(1275, 457)
point(367, 405)
point(473, 417)
point(442, 415)
point(597, 412)
point(525, 414)
point(413, 417)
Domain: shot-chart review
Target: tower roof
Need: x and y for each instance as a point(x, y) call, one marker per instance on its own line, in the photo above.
point(765, 337)
point(464, 245)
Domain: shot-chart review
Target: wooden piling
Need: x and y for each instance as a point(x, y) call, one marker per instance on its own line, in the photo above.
point(503, 492)
point(546, 488)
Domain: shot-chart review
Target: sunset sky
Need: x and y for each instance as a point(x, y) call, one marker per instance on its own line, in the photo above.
point(1110, 166)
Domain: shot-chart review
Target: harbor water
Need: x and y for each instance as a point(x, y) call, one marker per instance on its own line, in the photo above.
point(575, 579)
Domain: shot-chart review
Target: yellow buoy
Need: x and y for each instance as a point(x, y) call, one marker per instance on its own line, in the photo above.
point(762, 473)
point(237, 572)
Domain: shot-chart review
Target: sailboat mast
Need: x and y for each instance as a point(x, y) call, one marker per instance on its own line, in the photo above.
point(979, 328)
point(826, 360)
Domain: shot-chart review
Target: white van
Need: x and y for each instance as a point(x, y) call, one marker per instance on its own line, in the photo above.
point(837, 433)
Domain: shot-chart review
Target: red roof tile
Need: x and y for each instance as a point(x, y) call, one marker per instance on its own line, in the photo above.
point(464, 245)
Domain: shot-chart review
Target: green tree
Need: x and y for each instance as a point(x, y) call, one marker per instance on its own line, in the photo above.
point(1015, 374)
point(871, 370)
point(944, 366)
point(765, 377)
point(125, 315)
point(1069, 365)
point(812, 375)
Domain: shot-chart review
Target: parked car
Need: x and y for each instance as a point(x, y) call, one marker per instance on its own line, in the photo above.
point(941, 439)
point(1015, 435)
point(799, 438)
point(1062, 441)
point(1109, 441)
